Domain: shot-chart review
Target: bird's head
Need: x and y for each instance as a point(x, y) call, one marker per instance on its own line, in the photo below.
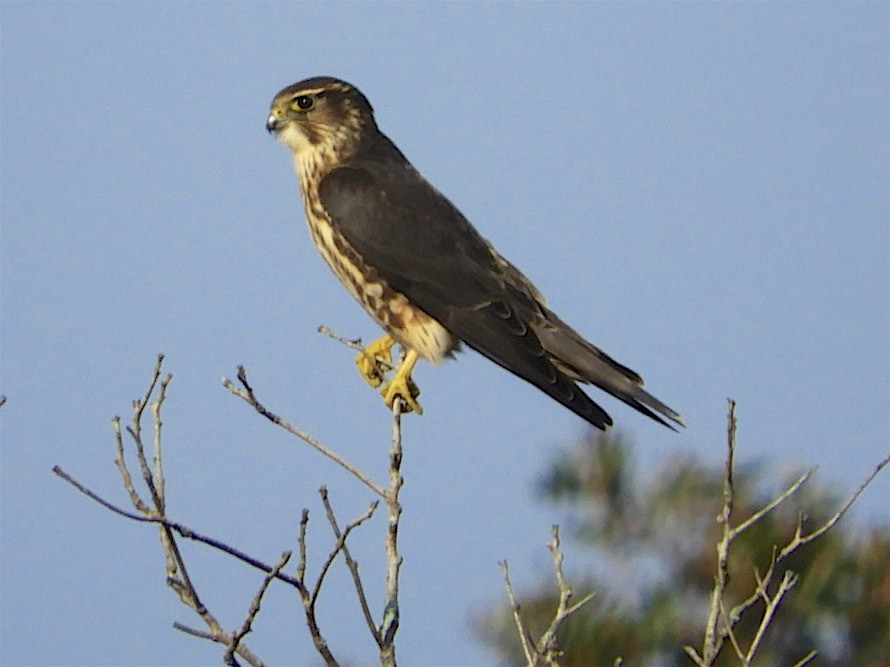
point(321, 114)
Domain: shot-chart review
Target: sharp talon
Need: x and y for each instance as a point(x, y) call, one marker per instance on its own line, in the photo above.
point(404, 389)
point(375, 360)
point(369, 369)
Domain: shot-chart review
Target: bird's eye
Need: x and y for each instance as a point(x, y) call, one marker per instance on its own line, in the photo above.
point(303, 102)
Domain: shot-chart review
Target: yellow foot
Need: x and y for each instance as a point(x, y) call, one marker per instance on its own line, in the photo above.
point(403, 387)
point(375, 361)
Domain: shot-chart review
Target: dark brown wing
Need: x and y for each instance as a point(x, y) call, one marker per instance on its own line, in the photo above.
point(424, 248)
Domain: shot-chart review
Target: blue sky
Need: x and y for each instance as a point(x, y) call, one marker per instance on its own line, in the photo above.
point(702, 189)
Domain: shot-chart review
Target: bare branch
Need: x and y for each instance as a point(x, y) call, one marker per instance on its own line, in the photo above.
point(789, 581)
point(107, 505)
point(547, 647)
point(806, 660)
point(351, 343)
point(139, 406)
point(694, 656)
point(341, 539)
point(390, 624)
point(301, 565)
point(158, 458)
point(152, 510)
point(713, 636)
point(309, 594)
point(200, 634)
point(545, 652)
point(135, 430)
point(350, 562)
point(121, 464)
point(525, 636)
point(247, 395)
point(385, 634)
point(799, 540)
point(307, 597)
point(254, 609)
point(354, 344)
point(720, 624)
point(182, 530)
point(757, 516)
point(730, 625)
point(220, 637)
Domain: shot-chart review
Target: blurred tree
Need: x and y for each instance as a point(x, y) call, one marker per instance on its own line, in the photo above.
point(651, 546)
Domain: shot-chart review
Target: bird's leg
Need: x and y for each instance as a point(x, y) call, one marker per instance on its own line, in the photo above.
point(375, 360)
point(403, 387)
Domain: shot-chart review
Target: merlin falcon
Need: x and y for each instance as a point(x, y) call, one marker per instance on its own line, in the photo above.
point(419, 267)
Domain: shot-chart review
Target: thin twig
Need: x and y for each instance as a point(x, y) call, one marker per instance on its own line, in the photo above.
point(351, 563)
point(307, 597)
point(247, 395)
point(525, 637)
point(547, 647)
point(789, 581)
point(799, 540)
point(729, 626)
point(200, 634)
point(121, 464)
point(179, 528)
point(806, 660)
point(220, 637)
point(154, 512)
point(713, 636)
point(254, 609)
point(318, 640)
point(309, 594)
point(135, 430)
point(158, 424)
point(390, 624)
point(545, 652)
point(178, 577)
point(351, 343)
point(301, 541)
point(106, 504)
point(354, 344)
point(720, 624)
point(341, 540)
point(757, 516)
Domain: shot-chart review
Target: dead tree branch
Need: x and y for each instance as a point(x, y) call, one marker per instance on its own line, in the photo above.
point(384, 634)
point(390, 624)
point(246, 394)
point(721, 622)
point(246, 627)
point(150, 508)
point(153, 510)
point(545, 652)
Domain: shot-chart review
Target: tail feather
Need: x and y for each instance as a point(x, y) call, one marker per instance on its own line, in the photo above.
point(642, 401)
point(584, 362)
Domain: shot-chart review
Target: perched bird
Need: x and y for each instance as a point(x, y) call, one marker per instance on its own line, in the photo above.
point(421, 270)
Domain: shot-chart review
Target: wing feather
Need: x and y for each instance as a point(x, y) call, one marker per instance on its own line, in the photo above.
point(422, 245)
point(424, 248)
